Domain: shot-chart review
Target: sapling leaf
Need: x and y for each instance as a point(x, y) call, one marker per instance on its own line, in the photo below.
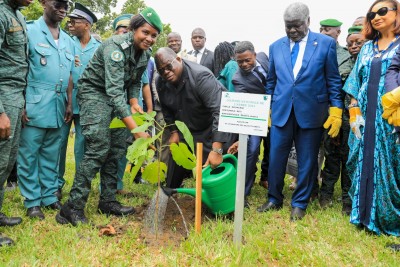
point(137, 117)
point(136, 167)
point(155, 171)
point(182, 156)
point(150, 154)
point(117, 123)
point(138, 149)
point(142, 128)
point(186, 134)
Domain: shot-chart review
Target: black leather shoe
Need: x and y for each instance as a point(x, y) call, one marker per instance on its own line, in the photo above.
point(267, 206)
point(297, 214)
point(35, 212)
point(346, 209)
point(5, 241)
point(9, 221)
point(69, 215)
point(115, 208)
point(58, 194)
point(55, 206)
point(395, 247)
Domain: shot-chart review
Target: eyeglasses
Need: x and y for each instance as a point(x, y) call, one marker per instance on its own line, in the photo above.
point(356, 43)
point(168, 67)
point(381, 12)
point(73, 22)
point(61, 5)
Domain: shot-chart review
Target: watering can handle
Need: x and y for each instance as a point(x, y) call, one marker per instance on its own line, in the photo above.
point(227, 158)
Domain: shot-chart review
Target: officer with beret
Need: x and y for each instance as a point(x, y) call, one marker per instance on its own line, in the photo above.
point(113, 73)
point(336, 149)
point(13, 71)
point(80, 23)
point(121, 23)
point(48, 107)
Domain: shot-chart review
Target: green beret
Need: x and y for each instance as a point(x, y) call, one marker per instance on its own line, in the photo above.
point(152, 18)
point(355, 29)
point(122, 21)
point(330, 23)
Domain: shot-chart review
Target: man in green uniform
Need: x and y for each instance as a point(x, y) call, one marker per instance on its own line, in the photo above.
point(336, 149)
point(13, 72)
point(111, 78)
point(331, 27)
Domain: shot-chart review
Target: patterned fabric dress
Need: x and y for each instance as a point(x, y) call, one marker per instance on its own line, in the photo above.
point(374, 160)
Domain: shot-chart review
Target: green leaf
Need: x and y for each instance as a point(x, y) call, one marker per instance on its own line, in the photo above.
point(154, 172)
point(142, 128)
point(186, 134)
point(138, 149)
point(182, 156)
point(150, 154)
point(136, 167)
point(117, 123)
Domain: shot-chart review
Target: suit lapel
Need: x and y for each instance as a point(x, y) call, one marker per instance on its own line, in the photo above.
point(203, 58)
point(308, 52)
point(286, 55)
point(46, 31)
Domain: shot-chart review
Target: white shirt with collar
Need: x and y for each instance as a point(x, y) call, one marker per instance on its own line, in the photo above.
point(299, 60)
point(199, 55)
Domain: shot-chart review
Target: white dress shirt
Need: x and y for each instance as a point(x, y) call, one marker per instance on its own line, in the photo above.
point(299, 60)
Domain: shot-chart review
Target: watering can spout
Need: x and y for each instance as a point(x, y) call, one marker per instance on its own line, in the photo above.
point(192, 192)
point(169, 191)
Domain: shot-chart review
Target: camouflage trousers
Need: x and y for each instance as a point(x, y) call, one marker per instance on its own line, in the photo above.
point(336, 154)
point(104, 147)
point(9, 148)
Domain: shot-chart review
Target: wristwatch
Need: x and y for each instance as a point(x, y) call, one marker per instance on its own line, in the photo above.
point(217, 150)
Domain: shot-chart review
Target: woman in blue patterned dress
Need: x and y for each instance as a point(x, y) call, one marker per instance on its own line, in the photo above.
point(373, 163)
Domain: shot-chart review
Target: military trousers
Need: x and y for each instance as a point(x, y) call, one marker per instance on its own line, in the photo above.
point(37, 165)
point(9, 148)
point(104, 147)
point(79, 147)
point(336, 154)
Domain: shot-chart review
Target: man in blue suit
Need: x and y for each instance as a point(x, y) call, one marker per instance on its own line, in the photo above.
point(251, 78)
point(304, 82)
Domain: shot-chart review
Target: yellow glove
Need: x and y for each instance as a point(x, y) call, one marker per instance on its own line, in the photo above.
point(269, 121)
point(356, 120)
point(390, 102)
point(394, 119)
point(334, 121)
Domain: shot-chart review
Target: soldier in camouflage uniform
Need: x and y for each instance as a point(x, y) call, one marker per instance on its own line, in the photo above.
point(337, 149)
point(13, 72)
point(113, 73)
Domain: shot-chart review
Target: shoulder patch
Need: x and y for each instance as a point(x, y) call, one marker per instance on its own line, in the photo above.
point(117, 56)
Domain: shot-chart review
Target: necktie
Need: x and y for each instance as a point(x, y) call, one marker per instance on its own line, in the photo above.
point(196, 52)
point(260, 75)
point(294, 53)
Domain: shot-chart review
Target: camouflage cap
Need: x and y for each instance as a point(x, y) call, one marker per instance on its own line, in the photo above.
point(330, 23)
point(152, 18)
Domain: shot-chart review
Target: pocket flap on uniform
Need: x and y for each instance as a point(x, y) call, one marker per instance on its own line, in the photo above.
point(322, 98)
point(33, 99)
point(69, 56)
point(15, 38)
point(44, 51)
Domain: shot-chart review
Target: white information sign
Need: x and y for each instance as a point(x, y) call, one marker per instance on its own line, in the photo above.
point(244, 113)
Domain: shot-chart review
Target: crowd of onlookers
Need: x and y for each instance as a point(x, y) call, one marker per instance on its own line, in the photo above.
point(332, 104)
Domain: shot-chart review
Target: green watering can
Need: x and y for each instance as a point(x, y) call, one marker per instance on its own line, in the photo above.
point(218, 186)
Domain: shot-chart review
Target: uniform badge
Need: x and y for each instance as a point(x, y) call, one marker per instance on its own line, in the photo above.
point(43, 61)
point(117, 56)
point(125, 45)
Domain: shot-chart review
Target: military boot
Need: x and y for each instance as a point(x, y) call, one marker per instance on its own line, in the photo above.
point(115, 208)
point(5, 241)
point(70, 215)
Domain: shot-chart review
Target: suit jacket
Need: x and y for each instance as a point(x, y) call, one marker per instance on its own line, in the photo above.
point(316, 86)
point(247, 82)
point(195, 101)
point(207, 60)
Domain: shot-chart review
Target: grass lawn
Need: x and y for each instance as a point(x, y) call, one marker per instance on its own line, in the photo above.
point(322, 238)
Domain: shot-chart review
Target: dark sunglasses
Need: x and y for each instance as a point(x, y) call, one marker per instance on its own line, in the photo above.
point(168, 67)
point(381, 12)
